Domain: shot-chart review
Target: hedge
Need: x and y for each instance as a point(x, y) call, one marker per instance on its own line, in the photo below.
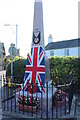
point(60, 69)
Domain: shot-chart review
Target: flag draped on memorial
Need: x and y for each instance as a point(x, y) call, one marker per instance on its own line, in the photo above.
point(34, 79)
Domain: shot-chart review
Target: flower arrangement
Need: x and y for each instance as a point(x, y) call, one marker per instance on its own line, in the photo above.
point(59, 98)
point(30, 104)
point(28, 101)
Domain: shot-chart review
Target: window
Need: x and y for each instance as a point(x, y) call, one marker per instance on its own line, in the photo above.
point(52, 53)
point(66, 52)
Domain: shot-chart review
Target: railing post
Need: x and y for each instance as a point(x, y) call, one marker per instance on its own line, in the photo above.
point(0, 100)
point(47, 100)
point(7, 96)
point(15, 94)
point(19, 98)
point(70, 95)
point(4, 90)
point(41, 103)
point(32, 99)
point(23, 98)
point(11, 94)
point(61, 101)
point(52, 99)
point(27, 97)
point(65, 100)
point(57, 107)
point(36, 96)
point(1, 91)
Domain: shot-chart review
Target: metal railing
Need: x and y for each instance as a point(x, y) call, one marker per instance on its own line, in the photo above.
point(55, 107)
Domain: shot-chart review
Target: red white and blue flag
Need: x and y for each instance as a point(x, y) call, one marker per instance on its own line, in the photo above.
point(34, 79)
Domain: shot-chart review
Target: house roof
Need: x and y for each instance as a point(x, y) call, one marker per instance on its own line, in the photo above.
point(63, 44)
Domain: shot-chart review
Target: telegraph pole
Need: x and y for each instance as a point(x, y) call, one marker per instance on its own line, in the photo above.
point(12, 51)
point(16, 38)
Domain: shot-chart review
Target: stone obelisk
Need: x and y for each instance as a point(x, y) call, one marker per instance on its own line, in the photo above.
point(37, 65)
point(38, 33)
point(38, 30)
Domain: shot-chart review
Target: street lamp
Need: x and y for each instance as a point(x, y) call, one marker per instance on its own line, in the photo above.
point(16, 33)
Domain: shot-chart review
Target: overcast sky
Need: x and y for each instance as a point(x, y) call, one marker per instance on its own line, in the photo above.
point(60, 20)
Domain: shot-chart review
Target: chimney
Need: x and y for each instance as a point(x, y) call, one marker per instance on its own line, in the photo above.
point(50, 39)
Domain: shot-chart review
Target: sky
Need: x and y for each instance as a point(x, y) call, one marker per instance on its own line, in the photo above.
point(60, 19)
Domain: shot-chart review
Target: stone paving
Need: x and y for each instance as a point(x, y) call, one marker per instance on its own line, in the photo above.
point(41, 112)
point(19, 115)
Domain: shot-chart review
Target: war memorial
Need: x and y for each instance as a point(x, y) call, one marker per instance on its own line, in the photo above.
point(37, 97)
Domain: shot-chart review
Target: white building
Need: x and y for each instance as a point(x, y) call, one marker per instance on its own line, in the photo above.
point(63, 48)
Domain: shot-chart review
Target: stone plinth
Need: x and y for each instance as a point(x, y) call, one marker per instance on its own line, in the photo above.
point(44, 95)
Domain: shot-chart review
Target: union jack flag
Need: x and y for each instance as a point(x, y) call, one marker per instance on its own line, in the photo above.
point(35, 71)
